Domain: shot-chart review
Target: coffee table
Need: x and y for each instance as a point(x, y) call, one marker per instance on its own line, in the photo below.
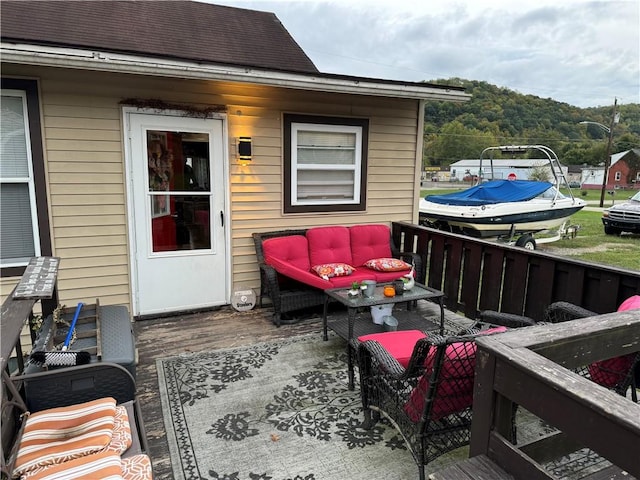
point(358, 320)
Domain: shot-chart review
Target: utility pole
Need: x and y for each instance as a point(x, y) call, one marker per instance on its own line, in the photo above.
point(607, 159)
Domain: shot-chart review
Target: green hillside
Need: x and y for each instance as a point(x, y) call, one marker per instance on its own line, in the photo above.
point(499, 116)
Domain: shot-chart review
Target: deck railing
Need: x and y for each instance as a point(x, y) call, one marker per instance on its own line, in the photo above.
point(478, 275)
point(531, 367)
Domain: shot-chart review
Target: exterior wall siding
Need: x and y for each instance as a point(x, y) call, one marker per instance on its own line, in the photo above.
point(84, 154)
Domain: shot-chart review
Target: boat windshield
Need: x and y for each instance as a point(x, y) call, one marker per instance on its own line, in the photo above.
point(551, 193)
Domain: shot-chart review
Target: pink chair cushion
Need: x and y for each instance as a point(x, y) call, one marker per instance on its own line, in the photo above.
point(329, 245)
point(455, 392)
point(369, 241)
point(399, 344)
point(292, 249)
point(609, 373)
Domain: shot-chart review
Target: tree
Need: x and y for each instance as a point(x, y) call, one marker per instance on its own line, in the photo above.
point(455, 142)
point(540, 173)
point(500, 116)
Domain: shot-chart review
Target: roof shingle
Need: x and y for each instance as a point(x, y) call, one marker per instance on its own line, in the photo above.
point(184, 30)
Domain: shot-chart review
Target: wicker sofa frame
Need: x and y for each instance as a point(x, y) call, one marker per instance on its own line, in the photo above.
point(288, 295)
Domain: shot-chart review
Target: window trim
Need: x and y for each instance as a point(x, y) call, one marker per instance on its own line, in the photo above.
point(30, 88)
point(328, 124)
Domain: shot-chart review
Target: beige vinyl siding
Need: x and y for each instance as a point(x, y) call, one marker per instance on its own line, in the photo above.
point(84, 154)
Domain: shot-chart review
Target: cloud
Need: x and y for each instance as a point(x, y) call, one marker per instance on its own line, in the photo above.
point(581, 52)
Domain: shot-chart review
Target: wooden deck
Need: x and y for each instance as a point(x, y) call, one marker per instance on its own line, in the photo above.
point(224, 328)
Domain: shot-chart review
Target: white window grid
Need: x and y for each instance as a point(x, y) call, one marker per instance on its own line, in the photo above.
point(341, 183)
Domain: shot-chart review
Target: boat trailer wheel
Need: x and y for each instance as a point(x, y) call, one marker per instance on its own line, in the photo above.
point(526, 241)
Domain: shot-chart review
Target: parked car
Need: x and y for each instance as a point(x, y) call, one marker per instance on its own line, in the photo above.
point(624, 217)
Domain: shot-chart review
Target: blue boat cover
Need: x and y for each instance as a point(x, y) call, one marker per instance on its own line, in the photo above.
point(494, 191)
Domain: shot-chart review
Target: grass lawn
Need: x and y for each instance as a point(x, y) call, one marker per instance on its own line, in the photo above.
point(591, 244)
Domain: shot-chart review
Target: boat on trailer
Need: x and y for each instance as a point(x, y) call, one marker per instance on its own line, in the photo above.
point(511, 210)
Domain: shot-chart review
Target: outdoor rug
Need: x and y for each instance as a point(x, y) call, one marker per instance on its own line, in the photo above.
point(276, 411)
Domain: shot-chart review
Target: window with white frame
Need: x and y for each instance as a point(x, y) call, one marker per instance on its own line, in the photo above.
point(19, 236)
point(325, 163)
point(618, 176)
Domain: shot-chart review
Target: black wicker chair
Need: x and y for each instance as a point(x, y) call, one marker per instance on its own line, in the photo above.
point(430, 401)
point(288, 295)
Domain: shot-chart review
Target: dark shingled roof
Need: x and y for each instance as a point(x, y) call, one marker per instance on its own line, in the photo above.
point(183, 30)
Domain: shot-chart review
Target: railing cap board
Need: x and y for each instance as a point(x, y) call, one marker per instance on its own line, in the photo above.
point(16, 309)
point(576, 342)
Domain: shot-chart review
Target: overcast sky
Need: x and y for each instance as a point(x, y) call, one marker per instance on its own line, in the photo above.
point(585, 53)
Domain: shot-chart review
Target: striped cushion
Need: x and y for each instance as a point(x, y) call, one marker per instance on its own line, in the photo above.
point(137, 467)
point(101, 465)
point(61, 434)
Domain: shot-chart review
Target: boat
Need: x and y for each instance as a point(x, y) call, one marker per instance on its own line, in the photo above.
point(505, 208)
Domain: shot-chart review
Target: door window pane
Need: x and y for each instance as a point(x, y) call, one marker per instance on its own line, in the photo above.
point(179, 162)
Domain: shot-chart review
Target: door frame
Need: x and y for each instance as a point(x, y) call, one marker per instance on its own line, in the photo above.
point(129, 195)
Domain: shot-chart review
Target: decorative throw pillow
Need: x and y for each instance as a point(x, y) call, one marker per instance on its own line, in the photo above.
point(137, 467)
point(613, 371)
point(121, 439)
point(455, 392)
point(387, 265)
point(329, 270)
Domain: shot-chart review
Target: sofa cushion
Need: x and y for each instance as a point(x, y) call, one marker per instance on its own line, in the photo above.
point(369, 241)
point(329, 245)
point(398, 344)
point(330, 270)
point(387, 265)
point(305, 276)
point(61, 434)
point(293, 249)
point(99, 465)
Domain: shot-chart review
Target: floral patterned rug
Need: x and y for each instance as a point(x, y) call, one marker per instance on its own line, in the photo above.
point(275, 411)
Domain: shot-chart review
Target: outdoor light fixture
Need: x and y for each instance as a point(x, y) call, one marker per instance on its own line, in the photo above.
point(244, 150)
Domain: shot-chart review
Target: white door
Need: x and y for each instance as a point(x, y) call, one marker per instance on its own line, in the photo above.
point(177, 179)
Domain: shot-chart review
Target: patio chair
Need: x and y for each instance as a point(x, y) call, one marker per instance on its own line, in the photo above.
point(428, 401)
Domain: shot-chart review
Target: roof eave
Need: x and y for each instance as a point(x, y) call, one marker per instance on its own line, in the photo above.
point(115, 62)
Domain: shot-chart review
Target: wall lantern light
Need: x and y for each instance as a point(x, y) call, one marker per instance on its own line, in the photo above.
point(244, 150)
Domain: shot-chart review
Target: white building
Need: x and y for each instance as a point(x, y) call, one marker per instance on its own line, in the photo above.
point(512, 168)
